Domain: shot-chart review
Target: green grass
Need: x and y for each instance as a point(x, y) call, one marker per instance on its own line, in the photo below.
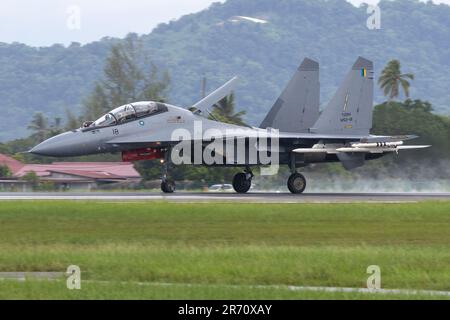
point(136, 291)
point(216, 245)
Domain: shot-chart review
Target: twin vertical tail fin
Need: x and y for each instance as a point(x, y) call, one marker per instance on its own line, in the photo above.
point(297, 109)
point(350, 110)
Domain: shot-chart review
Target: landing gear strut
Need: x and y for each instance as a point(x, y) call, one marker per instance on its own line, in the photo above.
point(242, 181)
point(167, 185)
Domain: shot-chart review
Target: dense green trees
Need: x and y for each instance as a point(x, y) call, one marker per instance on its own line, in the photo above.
point(95, 105)
point(415, 117)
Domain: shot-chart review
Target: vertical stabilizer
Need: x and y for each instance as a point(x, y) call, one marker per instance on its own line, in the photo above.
point(297, 109)
point(350, 110)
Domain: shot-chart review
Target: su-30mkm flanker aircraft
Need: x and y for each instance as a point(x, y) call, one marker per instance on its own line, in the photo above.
point(293, 133)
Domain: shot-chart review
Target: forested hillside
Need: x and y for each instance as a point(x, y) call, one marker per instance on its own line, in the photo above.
point(334, 32)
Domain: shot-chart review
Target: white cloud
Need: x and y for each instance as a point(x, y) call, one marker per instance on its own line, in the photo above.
point(44, 22)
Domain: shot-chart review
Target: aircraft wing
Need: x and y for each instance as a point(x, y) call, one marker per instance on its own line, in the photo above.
point(360, 144)
point(375, 139)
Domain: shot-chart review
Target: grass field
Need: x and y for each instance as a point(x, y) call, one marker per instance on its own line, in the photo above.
point(223, 251)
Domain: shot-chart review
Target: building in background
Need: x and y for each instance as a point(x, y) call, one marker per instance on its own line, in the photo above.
point(67, 175)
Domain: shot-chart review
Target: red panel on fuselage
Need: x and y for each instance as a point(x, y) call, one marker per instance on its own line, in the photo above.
point(142, 154)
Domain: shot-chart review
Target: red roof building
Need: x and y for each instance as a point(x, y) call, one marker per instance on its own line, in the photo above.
point(84, 175)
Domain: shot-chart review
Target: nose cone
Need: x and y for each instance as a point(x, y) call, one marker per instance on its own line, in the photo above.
point(64, 145)
point(53, 147)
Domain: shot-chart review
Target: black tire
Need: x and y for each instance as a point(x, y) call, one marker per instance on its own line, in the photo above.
point(168, 186)
point(296, 183)
point(241, 184)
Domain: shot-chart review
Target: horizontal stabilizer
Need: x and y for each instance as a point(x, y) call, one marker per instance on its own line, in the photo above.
point(202, 107)
point(375, 139)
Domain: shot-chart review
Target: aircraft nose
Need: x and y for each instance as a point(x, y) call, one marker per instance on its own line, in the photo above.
point(60, 146)
point(42, 149)
point(50, 147)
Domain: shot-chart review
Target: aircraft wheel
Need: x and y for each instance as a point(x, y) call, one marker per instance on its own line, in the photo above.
point(241, 183)
point(168, 186)
point(296, 183)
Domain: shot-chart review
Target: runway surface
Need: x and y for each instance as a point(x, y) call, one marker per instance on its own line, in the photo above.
point(232, 197)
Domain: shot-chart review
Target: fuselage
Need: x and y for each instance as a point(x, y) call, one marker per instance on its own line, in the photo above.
point(166, 126)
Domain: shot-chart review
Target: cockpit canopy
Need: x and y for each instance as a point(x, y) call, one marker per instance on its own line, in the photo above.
point(130, 112)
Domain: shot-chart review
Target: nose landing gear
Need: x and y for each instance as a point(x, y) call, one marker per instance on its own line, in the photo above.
point(167, 185)
point(242, 181)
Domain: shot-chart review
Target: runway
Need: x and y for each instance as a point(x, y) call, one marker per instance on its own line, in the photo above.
point(232, 197)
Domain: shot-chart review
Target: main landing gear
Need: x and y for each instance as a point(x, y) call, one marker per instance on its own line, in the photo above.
point(296, 182)
point(242, 181)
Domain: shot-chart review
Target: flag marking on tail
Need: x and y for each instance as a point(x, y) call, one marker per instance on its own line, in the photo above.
point(364, 72)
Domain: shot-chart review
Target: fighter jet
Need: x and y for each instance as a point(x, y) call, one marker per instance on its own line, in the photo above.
point(153, 130)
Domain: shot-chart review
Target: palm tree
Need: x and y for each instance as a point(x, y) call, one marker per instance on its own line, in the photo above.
point(39, 126)
point(391, 79)
point(224, 111)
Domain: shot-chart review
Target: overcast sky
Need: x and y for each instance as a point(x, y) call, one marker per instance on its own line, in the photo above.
point(45, 22)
